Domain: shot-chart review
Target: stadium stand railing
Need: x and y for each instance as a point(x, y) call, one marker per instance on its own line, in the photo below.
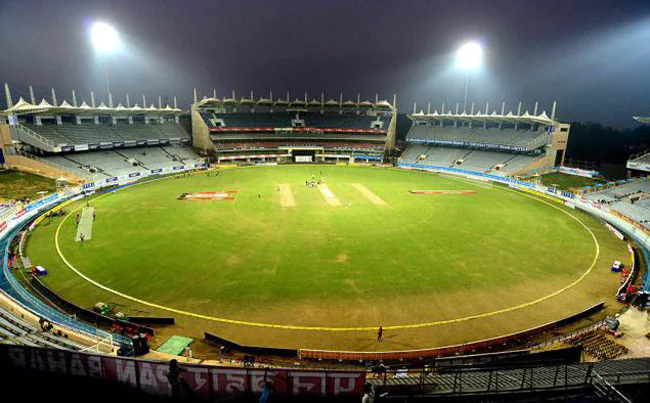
point(36, 139)
point(54, 165)
point(495, 381)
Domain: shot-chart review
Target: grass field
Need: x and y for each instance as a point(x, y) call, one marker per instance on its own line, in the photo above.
point(18, 185)
point(378, 256)
point(566, 182)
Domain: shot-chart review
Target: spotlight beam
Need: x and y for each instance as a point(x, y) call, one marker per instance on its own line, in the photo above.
point(469, 58)
point(105, 40)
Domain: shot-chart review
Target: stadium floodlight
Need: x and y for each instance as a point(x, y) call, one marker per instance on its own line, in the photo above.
point(104, 37)
point(105, 40)
point(469, 58)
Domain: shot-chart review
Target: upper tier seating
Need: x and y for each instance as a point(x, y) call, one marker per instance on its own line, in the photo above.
point(478, 135)
point(273, 145)
point(138, 131)
point(297, 136)
point(50, 132)
point(89, 133)
point(284, 120)
point(271, 120)
point(339, 121)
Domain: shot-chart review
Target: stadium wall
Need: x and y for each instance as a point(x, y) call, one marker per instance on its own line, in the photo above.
point(200, 133)
point(507, 341)
point(85, 314)
point(5, 143)
point(559, 143)
point(213, 382)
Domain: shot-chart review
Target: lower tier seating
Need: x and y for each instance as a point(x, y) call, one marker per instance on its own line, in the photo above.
point(122, 161)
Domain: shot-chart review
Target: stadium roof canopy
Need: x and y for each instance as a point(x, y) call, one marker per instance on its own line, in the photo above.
point(494, 117)
point(23, 107)
point(281, 102)
point(640, 119)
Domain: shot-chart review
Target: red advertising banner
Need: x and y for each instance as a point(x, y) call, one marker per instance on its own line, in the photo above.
point(203, 380)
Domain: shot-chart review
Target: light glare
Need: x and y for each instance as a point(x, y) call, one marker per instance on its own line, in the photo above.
point(470, 56)
point(104, 37)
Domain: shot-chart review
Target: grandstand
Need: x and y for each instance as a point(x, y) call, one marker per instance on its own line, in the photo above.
point(279, 130)
point(90, 141)
point(17, 331)
point(630, 198)
point(640, 162)
point(105, 143)
point(497, 143)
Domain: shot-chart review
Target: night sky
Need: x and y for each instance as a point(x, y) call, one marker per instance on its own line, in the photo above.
point(592, 56)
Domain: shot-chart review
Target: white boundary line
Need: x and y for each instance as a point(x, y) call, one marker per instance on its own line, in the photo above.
point(340, 329)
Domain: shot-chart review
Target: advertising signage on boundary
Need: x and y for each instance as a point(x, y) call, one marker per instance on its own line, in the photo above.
point(617, 233)
point(475, 175)
point(206, 381)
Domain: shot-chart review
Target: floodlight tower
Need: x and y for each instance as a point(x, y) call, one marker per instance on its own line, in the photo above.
point(105, 41)
point(469, 58)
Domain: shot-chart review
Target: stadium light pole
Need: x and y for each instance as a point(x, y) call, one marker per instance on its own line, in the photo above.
point(105, 40)
point(469, 58)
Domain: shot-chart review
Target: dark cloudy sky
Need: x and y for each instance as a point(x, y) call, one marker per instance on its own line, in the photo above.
point(592, 56)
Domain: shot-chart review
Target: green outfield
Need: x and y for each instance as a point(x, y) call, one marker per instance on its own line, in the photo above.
point(361, 252)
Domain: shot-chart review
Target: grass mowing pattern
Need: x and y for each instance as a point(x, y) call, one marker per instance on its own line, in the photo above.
point(319, 265)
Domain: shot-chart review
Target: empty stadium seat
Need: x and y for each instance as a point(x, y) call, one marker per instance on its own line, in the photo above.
point(90, 133)
point(115, 162)
point(477, 136)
